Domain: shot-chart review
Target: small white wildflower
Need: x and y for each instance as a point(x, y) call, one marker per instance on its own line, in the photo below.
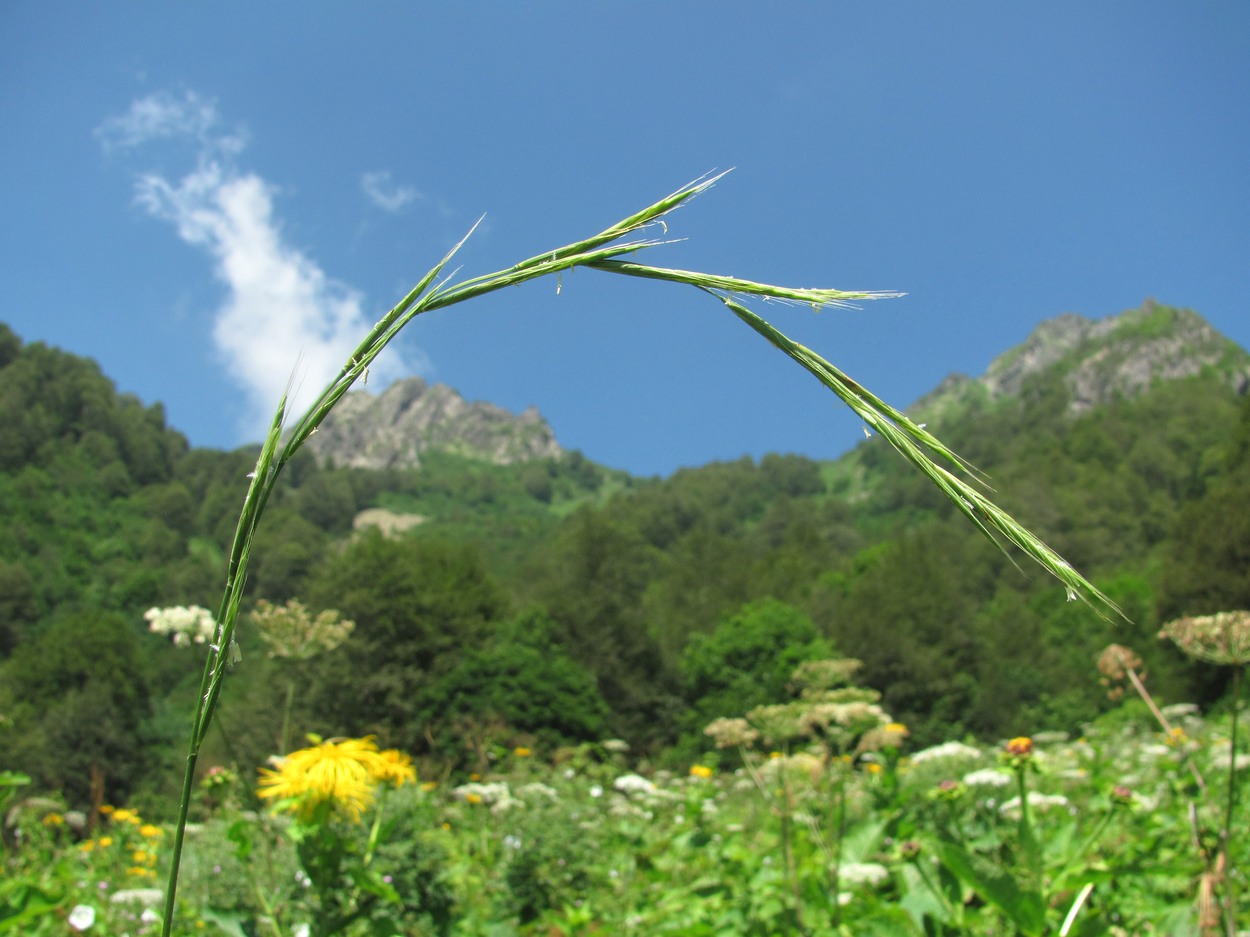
point(596, 791)
point(82, 917)
point(1041, 802)
point(493, 793)
point(620, 746)
point(625, 810)
point(863, 873)
point(987, 777)
point(184, 624)
point(536, 789)
point(633, 784)
point(148, 897)
point(944, 751)
point(1177, 710)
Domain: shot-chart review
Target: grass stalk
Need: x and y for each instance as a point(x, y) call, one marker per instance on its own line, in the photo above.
point(1168, 729)
point(1230, 808)
point(603, 251)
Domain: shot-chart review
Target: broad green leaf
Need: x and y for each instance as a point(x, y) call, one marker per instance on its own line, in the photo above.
point(1026, 909)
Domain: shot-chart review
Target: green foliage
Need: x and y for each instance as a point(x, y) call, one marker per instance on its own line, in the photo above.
point(904, 615)
point(111, 513)
point(521, 683)
point(1207, 568)
point(592, 585)
point(78, 696)
point(420, 606)
point(746, 661)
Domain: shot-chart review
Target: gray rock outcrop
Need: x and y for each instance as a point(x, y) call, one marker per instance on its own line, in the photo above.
point(394, 428)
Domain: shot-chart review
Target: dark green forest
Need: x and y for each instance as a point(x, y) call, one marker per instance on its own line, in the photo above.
point(555, 602)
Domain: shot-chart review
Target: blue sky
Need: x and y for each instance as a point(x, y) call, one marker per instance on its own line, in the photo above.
point(196, 195)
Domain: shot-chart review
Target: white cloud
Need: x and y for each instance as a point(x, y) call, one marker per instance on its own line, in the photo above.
point(162, 116)
point(281, 310)
point(385, 194)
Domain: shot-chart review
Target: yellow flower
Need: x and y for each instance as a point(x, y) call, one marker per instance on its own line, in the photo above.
point(53, 819)
point(872, 767)
point(1020, 747)
point(106, 809)
point(522, 752)
point(700, 771)
point(151, 832)
point(104, 842)
point(395, 766)
point(896, 727)
point(428, 786)
point(125, 816)
point(139, 872)
point(88, 846)
point(473, 798)
point(343, 772)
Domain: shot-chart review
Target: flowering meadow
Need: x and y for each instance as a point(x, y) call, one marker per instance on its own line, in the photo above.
point(814, 814)
point(843, 830)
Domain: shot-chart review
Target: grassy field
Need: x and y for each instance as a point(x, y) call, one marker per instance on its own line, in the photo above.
point(1117, 832)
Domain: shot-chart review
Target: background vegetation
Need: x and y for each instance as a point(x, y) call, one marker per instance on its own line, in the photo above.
point(560, 602)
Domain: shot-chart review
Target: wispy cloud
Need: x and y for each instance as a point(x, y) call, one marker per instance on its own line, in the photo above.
point(281, 310)
point(164, 116)
point(385, 193)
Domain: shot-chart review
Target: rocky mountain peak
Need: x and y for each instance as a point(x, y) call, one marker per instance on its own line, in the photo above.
point(1121, 355)
point(394, 428)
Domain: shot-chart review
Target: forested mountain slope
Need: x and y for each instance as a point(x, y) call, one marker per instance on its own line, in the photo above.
point(552, 601)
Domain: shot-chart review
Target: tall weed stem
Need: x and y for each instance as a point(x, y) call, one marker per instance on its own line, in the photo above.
point(1226, 835)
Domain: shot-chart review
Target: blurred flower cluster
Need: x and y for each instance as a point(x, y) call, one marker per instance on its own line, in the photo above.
point(1222, 638)
point(185, 624)
point(291, 631)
